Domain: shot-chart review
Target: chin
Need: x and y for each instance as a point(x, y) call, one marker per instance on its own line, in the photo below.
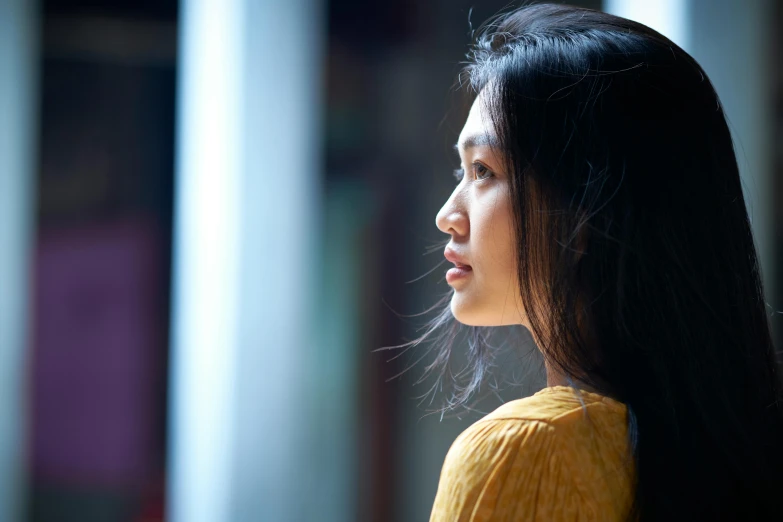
point(459, 312)
point(470, 313)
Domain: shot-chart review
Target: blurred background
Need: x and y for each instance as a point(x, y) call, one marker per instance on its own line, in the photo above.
point(214, 212)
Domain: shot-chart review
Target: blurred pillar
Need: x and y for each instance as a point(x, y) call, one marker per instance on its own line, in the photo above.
point(668, 17)
point(731, 39)
point(246, 200)
point(18, 103)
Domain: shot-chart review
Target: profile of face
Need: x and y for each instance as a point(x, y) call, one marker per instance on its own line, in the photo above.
point(479, 218)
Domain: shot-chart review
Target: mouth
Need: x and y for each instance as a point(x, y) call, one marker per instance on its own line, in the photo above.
point(460, 271)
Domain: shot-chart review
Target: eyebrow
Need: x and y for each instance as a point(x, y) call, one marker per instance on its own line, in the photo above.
point(477, 140)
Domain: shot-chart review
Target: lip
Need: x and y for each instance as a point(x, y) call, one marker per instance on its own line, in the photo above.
point(458, 272)
point(461, 269)
point(455, 258)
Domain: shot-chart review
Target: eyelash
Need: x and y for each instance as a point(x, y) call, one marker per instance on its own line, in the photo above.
point(460, 173)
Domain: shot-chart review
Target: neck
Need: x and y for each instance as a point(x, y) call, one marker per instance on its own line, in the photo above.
point(556, 378)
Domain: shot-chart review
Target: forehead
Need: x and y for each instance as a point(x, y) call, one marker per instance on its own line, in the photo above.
point(478, 120)
point(477, 130)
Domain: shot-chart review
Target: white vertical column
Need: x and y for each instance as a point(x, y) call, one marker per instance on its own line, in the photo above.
point(206, 260)
point(731, 41)
point(284, 42)
point(246, 193)
point(18, 100)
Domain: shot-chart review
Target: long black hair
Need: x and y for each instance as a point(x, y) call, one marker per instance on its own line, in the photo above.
point(637, 266)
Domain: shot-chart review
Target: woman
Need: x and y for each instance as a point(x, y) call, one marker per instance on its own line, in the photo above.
point(599, 204)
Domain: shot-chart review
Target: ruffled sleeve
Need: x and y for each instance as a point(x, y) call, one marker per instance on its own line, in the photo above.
point(505, 470)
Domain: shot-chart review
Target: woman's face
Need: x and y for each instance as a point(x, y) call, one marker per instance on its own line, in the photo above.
point(478, 217)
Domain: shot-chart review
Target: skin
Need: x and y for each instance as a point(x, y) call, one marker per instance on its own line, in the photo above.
point(479, 218)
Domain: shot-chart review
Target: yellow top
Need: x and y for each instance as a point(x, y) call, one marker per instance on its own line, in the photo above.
point(549, 457)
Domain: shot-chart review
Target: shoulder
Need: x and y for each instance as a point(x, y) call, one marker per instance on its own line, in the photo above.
point(558, 406)
point(491, 442)
point(497, 469)
point(537, 424)
point(527, 455)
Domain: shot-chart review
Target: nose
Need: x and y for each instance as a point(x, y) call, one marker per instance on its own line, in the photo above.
point(452, 218)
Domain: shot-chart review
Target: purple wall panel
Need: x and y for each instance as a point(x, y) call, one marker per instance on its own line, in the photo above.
point(96, 329)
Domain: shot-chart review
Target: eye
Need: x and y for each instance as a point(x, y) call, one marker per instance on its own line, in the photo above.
point(459, 174)
point(481, 172)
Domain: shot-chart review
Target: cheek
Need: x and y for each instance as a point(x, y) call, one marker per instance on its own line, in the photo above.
point(506, 238)
point(491, 298)
point(498, 240)
point(493, 239)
